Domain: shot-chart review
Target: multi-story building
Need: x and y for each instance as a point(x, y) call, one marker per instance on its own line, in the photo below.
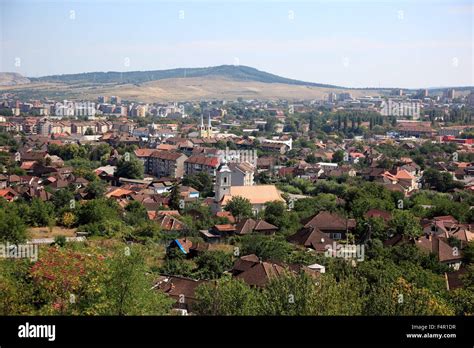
point(82, 127)
point(61, 127)
point(44, 127)
point(242, 174)
point(201, 163)
point(165, 164)
point(115, 100)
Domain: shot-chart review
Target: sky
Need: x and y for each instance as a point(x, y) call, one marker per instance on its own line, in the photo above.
point(367, 43)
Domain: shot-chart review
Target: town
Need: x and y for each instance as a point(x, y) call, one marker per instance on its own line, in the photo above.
point(340, 206)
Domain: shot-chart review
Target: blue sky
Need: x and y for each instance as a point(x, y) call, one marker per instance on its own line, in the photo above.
point(348, 43)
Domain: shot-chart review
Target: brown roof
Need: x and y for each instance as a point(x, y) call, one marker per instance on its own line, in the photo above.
point(386, 215)
point(226, 214)
point(245, 263)
point(454, 278)
point(185, 243)
point(311, 237)
point(204, 160)
point(262, 225)
point(166, 155)
point(249, 225)
point(224, 227)
point(261, 273)
point(436, 245)
point(170, 223)
point(167, 147)
point(330, 221)
point(178, 286)
point(144, 152)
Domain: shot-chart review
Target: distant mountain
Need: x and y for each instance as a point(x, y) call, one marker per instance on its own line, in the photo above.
point(224, 82)
point(12, 79)
point(234, 72)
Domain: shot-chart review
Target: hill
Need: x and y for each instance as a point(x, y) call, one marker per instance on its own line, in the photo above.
point(227, 82)
point(12, 79)
point(234, 72)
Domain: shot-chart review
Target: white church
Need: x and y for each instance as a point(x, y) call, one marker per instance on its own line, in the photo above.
point(258, 195)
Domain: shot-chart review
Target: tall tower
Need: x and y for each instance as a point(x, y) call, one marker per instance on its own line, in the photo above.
point(223, 181)
point(205, 131)
point(202, 128)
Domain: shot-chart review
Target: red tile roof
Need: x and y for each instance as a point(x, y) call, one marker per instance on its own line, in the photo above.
point(204, 160)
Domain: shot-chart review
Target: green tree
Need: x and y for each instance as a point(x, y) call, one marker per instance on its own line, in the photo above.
point(12, 227)
point(98, 210)
point(96, 188)
point(226, 297)
point(403, 298)
point(338, 156)
point(62, 198)
point(131, 169)
point(266, 247)
point(212, 264)
point(288, 295)
point(240, 207)
point(440, 181)
point(135, 213)
point(40, 213)
point(174, 198)
point(129, 287)
point(405, 223)
point(200, 181)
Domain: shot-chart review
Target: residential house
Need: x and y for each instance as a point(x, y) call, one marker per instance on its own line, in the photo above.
point(247, 226)
point(333, 224)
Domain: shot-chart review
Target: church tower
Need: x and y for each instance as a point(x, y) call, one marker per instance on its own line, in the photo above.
point(223, 181)
point(205, 131)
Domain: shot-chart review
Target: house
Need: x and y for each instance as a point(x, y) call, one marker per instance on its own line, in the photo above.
point(222, 230)
point(244, 263)
point(261, 273)
point(274, 147)
point(3, 181)
point(169, 223)
point(454, 279)
point(200, 247)
point(311, 237)
point(106, 172)
point(119, 193)
point(446, 254)
point(401, 177)
point(183, 245)
point(247, 226)
point(180, 289)
point(226, 214)
point(378, 213)
point(332, 224)
point(188, 193)
point(265, 163)
point(8, 194)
